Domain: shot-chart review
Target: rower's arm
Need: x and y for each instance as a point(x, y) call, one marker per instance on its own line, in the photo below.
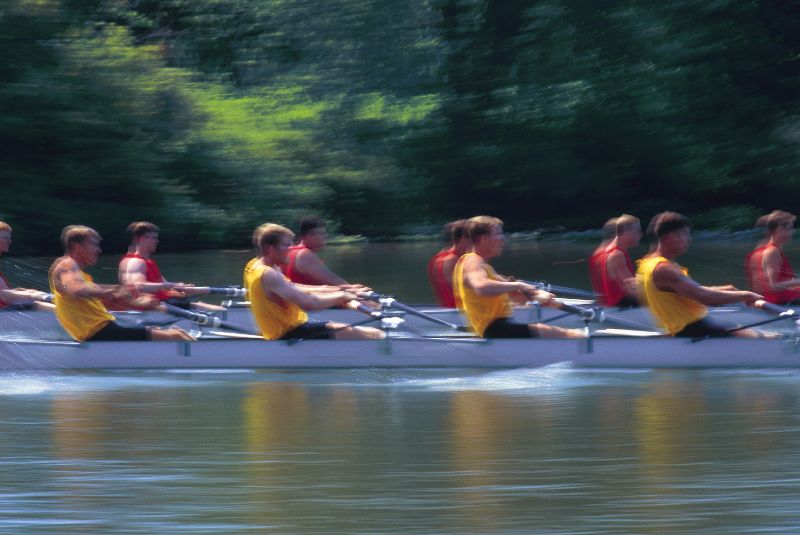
point(69, 280)
point(475, 277)
point(308, 263)
point(273, 283)
point(669, 278)
point(21, 295)
point(133, 272)
point(618, 270)
point(771, 264)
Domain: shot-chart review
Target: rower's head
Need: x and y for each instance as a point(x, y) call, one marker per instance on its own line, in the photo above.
point(313, 233)
point(143, 236)
point(5, 237)
point(780, 226)
point(609, 229)
point(82, 243)
point(628, 230)
point(486, 235)
point(272, 241)
point(674, 233)
point(459, 235)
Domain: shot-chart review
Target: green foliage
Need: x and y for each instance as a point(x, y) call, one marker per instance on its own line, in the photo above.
point(212, 116)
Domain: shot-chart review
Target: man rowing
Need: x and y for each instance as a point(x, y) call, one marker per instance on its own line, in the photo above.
point(619, 275)
point(485, 297)
point(441, 266)
point(279, 306)
point(597, 258)
point(767, 266)
point(303, 264)
point(676, 301)
point(79, 301)
point(139, 270)
point(18, 297)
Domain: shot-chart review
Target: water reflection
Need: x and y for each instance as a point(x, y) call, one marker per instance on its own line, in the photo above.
point(367, 452)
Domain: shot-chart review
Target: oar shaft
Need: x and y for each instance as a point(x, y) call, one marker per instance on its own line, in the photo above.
point(564, 291)
point(391, 302)
point(205, 320)
point(227, 291)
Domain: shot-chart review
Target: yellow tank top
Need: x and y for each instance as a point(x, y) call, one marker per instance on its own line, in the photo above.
point(81, 317)
point(481, 310)
point(672, 311)
point(273, 319)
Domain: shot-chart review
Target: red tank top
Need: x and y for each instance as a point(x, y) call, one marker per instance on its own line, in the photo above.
point(290, 269)
point(441, 289)
point(152, 274)
point(3, 304)
point(613, 290)
point(597, 263)
point(785, 273)
point(752, 266)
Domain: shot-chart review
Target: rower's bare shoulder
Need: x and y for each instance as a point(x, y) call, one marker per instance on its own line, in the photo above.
point(64, 264)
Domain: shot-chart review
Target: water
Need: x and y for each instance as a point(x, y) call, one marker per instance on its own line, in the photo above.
point(551, 450)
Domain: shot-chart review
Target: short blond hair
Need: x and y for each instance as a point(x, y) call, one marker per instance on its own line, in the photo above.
point(609, 228)
point(5, 227)
point(270, 234)
point(73, 234)
point(481, 225)
point(626, 222)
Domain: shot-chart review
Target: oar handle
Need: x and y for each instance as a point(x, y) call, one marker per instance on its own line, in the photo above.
point(775, 310)
point(587, 313)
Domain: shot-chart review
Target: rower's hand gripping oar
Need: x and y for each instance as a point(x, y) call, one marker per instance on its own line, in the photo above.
point(207, 321)
point(387, 301)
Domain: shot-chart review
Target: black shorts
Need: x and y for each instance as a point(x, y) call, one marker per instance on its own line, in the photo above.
point(180, 303)
point(310, 330)
point(114, 332)
point(503, 328)
point(705, 327)
point(627, 302)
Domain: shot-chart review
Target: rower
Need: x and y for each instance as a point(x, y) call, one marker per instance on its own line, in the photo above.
point(619, 275)
point(485, 297)
point(597, 259)
point(303, 264)
point(18, 297)
point(441, 266)
point(279, 306)
point(752, 260)
point(79, 301)
point(677, 302)
point(773, 276)
point(139, 270)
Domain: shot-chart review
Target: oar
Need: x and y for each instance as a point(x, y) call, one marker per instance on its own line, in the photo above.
point(227, 291)
point(388, 301)
point(598, 315)
point(564, 291)
point(780, 313)
point(205, 320)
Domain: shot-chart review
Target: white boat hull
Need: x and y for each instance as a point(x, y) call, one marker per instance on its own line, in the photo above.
point(44, 324)
point(597, 352)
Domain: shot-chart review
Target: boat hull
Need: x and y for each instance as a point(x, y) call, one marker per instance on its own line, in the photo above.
point(402, 352)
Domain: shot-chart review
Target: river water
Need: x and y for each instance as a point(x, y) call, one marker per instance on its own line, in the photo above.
point(550, 450)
